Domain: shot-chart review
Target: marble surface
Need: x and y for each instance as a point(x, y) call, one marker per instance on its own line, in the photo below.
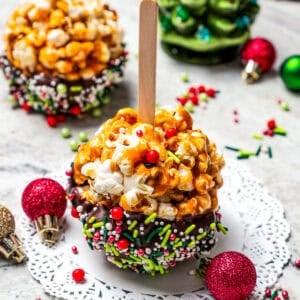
point(30, 149)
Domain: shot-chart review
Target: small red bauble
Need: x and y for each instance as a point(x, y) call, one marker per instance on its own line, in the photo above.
point(123, 244)
point(230, 275)
point(44, 196)
point(26, 107)
point(117, 213)
point(139, 133)
point(194, 99)
point(211, 93)
point(201, 88)
point(271, 124)
point(170, 132)
point(152, 156)
point(74, 213)
point(192, 90)
point(78, 275)
point(261, 51)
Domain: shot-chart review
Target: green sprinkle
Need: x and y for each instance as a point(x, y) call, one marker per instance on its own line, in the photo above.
point(213, 226)
point(257, 136)
point(243, 156)
point(139, 242)
point(249, 153)
point(171, 255)
point(132, 225)
point(232, 148)
point(189, 229)
point(270, 153)
point(178, 244)
point(189, 106)
point(280, 131)
point(105, 230)
point(105, 100)
point(135, 233)
point(61, 88)
point(11, 99)
point(83, 136)
point(90, 243)
point(92, 220)
point(87, 233)
point(65, 133)
point(166, 237)
point(151, 218)
point(134, 258)
point(201, 236)
point(115, 251)
point(192, 244)
point(258, 151)
point(203, 97)
point(152, 234)
point(151, 264)
point(85, 226)
point(167, 227)
point(222, 228)
point(96, 112)
point(117, 263)
point(285, 106)
point(76, 88)
point(173, 156)
point(98, 225)
point(184, 77)
point(161, 270)
point(128, 235)
point(107, 248)
point(157, 254)
point(274, 295)
point(74, 146)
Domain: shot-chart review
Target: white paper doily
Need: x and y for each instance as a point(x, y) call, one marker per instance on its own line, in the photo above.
point(257, 228)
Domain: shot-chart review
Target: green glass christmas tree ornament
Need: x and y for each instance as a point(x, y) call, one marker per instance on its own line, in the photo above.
point(290, 73)
point(205, 31)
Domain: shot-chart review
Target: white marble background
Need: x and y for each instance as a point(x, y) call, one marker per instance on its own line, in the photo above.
point(30, 149)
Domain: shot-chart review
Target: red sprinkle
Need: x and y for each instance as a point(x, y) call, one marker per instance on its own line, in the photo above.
point(211, 93)
point(279, 101)
point(194, 99)
point(152, 156)
point(74, 213)
point(78, 275)
point(268, 132)
point(139, 133)
point(268, 293)
point(277, 298)
point(297, 263)
point(61, 118)
point(117, 213)
point(26, 107)
point(235, 112)
point(96, 237)
point(285, 294)
point(71, 196)
point(52, 121)
point(69, 172)
point(201, 88)
point(170, 132)
point(74, 249)
point(118, 229)
point(123, 244)
point(271, 124)
point(236, 120)
point(192, 90)
point(75, 110)
point(182, 100)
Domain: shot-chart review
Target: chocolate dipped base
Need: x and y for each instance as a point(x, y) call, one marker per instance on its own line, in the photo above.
point(144, 244)
point(55, 95)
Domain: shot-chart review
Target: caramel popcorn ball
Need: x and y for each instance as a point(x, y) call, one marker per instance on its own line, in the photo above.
point(70, 39)
point(169, 169)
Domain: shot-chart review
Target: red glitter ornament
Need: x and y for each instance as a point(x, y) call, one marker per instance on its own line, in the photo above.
point(78, 275)
point(230, 276)
point(117, 213)
point(258, 56)
point(44, 202)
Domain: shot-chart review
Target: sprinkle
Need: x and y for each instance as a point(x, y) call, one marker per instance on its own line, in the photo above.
point(280, 131)
point(74, 146)
point(213, 226)
point(258, 151)
point(257, 136)
point(201, 236)
point(139, 242)
point(151, 264)
point(65, 133)
point(184, 77)
point(157, 254)
point(236, 120)
point(235, 112)
point(151, 218)
point(243, 156)
point(191, 244)
point(285, 106)
point(222, 228)
point(104, 229)
point(170, 256)
point(92, 220)
point(117, 263)
point(98, 225)
point(249, 153)
point(232, 148)
point(167, 227)
point(128, 236)
point(160, 269)
point(115, 251)
point(153, 233)
point(165, 239)
point(270, 152)
point(76, 88)
point(61, 88)
point(132, 225)
point(135, 233)
point(189, 106)
point(83, 136)
point(189, 229)
point(137, 259)
point(74, 250)
point(173, 156)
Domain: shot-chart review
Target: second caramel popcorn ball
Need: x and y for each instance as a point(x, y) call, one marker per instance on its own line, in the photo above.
point(63, 56)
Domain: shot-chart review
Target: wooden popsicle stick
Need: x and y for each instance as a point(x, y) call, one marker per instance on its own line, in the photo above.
point(147, 60)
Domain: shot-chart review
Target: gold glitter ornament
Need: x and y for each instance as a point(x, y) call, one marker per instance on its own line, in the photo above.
point(10, 245)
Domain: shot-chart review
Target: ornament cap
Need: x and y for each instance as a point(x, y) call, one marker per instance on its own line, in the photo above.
point(47, 227)
point(251, 72)
point(11, 248)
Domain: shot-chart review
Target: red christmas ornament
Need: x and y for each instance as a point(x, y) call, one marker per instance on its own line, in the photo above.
point(258, 56)
point(44, 202)
point(230, 276)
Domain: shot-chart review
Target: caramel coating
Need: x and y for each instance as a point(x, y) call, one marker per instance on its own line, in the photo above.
point(7, 222)
point(172, 187)
point(71, 39)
